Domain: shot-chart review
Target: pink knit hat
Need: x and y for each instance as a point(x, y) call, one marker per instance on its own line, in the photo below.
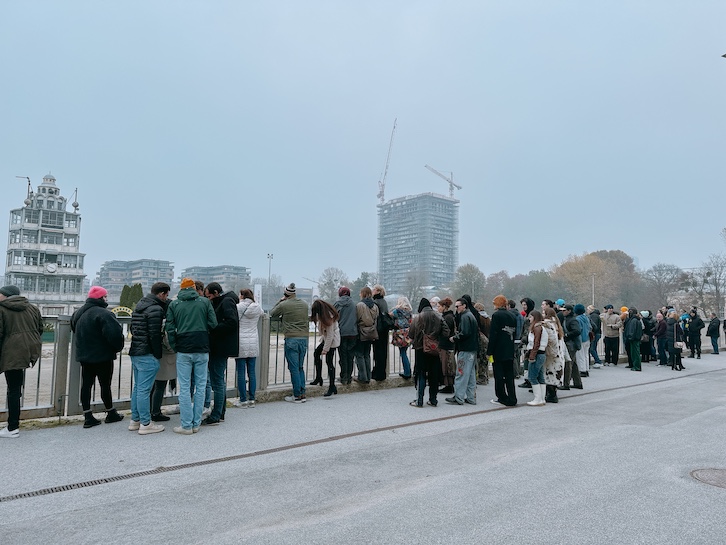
point(97, 292)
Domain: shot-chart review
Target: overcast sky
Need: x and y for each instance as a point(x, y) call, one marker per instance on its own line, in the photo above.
point(210, 133)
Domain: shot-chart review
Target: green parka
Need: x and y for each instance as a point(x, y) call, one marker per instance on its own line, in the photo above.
point(20, 329)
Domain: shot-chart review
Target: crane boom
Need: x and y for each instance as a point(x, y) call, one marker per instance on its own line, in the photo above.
point(450, 179)
point(382, 180)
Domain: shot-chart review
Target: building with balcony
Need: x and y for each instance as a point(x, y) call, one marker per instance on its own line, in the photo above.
point(418, 241)
point(230, 277)
point(114, 275)
point(43, 256)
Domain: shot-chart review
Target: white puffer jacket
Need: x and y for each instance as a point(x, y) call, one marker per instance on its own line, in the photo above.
point(249, 313)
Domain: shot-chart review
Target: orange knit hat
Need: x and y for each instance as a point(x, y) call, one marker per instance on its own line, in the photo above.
point(187, 283)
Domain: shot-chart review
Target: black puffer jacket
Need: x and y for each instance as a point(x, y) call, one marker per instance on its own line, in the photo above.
point(224, 339)
point(146, 324)
point(98, 336)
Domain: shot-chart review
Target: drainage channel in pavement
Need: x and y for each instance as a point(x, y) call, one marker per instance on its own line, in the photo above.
point(717, 477)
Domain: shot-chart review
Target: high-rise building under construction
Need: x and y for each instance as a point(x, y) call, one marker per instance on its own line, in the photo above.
point(418, 241)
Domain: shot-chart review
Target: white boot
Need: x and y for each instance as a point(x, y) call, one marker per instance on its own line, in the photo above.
point(542, 393)
point(538, 398)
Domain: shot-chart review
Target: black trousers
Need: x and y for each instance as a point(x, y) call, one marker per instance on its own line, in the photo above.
point(89, 373)
point(347, 355)
point(612, 349)
point(14, 378)
point(329, 360)
point(380, 357)
point(504, 382)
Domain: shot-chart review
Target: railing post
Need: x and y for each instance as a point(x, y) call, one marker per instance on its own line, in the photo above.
point(60, 372)
point(262, 369)
point(74, 382)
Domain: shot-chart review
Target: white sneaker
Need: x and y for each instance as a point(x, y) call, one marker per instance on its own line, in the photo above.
point(251, 403)
point(597, 366)
point(240, 404)
point(134, 425)
point(151, 427)
point(183, 431)
point(206, 412)
point(9, 434)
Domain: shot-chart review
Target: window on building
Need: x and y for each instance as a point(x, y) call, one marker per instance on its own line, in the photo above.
point(53, 220)
point(17, 258)
point(15, 217)
point(71, 221)
point(51, 205)
point(69, 240)
point(14, 237)
point(51, 238)
point(30, 237)
point(32, 216)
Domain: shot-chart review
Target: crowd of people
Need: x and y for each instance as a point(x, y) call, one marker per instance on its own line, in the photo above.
point(187, 342)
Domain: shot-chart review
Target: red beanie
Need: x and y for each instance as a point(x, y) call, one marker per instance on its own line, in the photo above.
point(97, 292)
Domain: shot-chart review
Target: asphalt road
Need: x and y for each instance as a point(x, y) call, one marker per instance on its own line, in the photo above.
point(609, 464)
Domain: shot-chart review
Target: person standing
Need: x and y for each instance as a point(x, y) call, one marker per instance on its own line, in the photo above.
point(466, 340)
point(427, 323)
point(223, 344)
point(366, 317)
point(249, 313)
point(714, 331)
point(446, 347)
point(661, 337)
point(596, 323)
point(632, 334)
point(383, 326)
point(21, 327)
point(501, 348)
point(293, 313)
point(147, 322)
point(347, 322)
point(325, 318)
point(611, 326)
point(98, 337)
point(573, 342)
point(189, 319)
point(537, 340)
point(402, 316)
point(695, 325)
point(583, 354)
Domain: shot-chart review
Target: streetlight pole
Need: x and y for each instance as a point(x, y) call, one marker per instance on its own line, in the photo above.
point(269, 269)
point(593, 289)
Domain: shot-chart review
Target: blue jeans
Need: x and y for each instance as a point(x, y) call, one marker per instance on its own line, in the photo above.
point(465, 378)
point(144, 370)
point(295, 350)
point(405, 361)
point(593, 350)
point(217, 368)
point(536, 370)
point(188, 365)
point(247, 364)
point(714, 344)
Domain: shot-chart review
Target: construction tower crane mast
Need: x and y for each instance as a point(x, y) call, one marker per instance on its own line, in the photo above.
point(382, 180)
point(449, 179)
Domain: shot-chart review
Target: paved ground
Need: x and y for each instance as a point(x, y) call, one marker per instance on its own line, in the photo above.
point(608, 464)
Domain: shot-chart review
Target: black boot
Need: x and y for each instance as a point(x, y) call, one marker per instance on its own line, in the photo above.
point(113, 416)
point(525, 384)
point(90, 420)
point(318, 374)
point(331, 390)
point(551, 394)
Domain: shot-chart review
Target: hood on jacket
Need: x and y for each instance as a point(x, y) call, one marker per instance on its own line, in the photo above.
point(16, 303)
point(187, 294)
point(230, 294)
point(424, 303)
point(149, 301)
point(368, 302)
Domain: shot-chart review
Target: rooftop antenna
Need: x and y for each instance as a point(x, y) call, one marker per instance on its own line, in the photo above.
point(382, 180)
point(75, 201)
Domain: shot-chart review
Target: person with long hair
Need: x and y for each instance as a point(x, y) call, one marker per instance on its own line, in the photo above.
point(446, 347)
point(427, 365)
point(674, 334)
point(249, 313)
point(537, 338)
point(325, 317)
point(554, 359)
point(402, 316)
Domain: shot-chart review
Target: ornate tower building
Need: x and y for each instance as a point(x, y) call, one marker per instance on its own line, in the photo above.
point(43, 257)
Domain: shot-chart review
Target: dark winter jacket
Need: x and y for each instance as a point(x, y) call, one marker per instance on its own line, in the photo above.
point(501, 335)
point(573, 332)
point(595, 322)
point(444, 342)
point(146, 327)
point(426, 322)
point(381, 326)
point(347, 320)
point(633, 329)
point(674, 332)
point(695, 325)
point(660, 329)
point(467, 334)
point(20, 329)
point(714, 327)
point(98, 336)
point(224, 339)
point(189, 319)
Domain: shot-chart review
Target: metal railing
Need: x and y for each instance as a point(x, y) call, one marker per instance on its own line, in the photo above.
point(52, 386)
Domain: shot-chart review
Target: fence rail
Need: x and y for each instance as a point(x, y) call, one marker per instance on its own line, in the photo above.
point(52, 386)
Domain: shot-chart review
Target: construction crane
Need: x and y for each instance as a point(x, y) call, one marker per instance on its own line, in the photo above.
point(450, 179)
point(382, 180)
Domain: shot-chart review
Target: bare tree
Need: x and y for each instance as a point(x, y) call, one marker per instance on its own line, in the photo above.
point(414, 287)
point(664, 280)
point(329, 282)
point(468, 279)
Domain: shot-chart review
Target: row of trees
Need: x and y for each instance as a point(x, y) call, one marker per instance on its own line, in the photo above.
point(599, 278)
